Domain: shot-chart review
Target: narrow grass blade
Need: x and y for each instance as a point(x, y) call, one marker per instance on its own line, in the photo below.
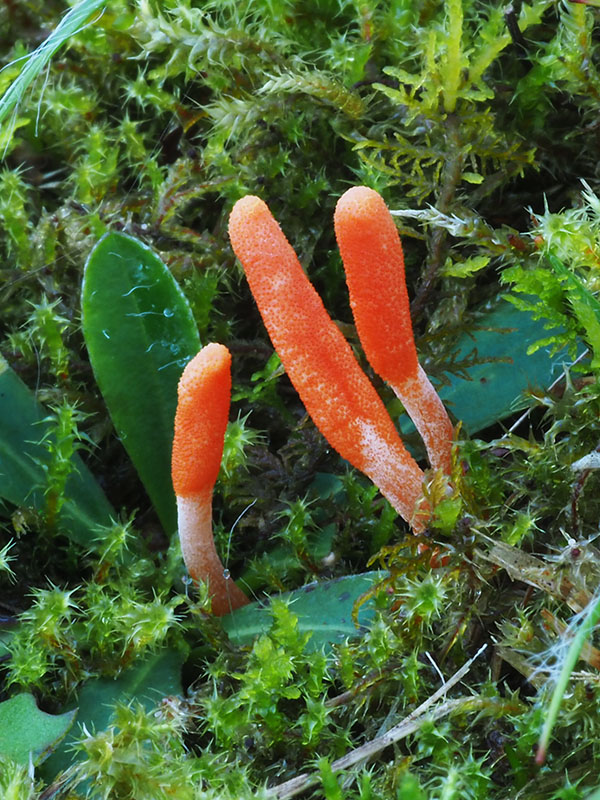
point(39, 58)
point(591, 617)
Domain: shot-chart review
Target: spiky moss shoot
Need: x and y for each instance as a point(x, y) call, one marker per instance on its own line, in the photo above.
point(51, 610)
point(239, 439)
point(424, 599)
point(329, 783)
point(113, 542)
point(16, 780)
point(95, 173)
point(14, 216)
point(141, 755)
point(61, 441)
point(381, 643)
point(43, 335)
point(277, 698)
point(44, 639)
point(6, 558)
point(93, 629)
point(298, 524)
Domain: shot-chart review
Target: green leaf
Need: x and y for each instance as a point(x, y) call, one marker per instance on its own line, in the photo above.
point(497, 387)
point(26, 731)
point(22, 478)
point(147, 681)
point(140, 333)
point(462, 269)
point(324, 609)
point(472, 177)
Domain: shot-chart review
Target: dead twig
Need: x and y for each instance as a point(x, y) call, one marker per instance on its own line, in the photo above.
point(408, 725)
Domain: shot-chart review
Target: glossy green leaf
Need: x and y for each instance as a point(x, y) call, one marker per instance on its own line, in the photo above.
point(140, 333)
point(26, 732)
point(147, 682)
point(22, 427)
point(497, 388)
point(324, 609)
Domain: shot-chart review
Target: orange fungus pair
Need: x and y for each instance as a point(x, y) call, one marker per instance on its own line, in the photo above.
point(322, 367)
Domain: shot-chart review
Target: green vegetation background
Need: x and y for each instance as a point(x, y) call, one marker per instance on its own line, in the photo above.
point(478, 122)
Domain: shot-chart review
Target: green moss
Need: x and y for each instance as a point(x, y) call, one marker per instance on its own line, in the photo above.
point(154, 118)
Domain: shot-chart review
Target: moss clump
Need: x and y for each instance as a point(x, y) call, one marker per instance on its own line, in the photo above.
point(477, 123)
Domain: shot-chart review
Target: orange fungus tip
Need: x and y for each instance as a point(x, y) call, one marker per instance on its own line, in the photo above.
point(201, 420)
point(371, 250)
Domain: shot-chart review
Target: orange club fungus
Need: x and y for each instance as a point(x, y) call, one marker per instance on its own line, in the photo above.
point(323, 369)
point(200, 422)
point(374, 263)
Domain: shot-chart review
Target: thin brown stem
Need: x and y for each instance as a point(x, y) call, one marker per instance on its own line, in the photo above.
point(437, 244)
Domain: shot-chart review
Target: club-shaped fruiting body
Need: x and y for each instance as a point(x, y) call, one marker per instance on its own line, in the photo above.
point(200, 422)
point(319, 361)
point(374, 264)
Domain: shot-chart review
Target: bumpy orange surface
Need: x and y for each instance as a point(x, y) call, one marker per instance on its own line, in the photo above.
point(374, 263)
point(200, 422)
point(372, 254)
point(202, 412)
point(320, 363)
